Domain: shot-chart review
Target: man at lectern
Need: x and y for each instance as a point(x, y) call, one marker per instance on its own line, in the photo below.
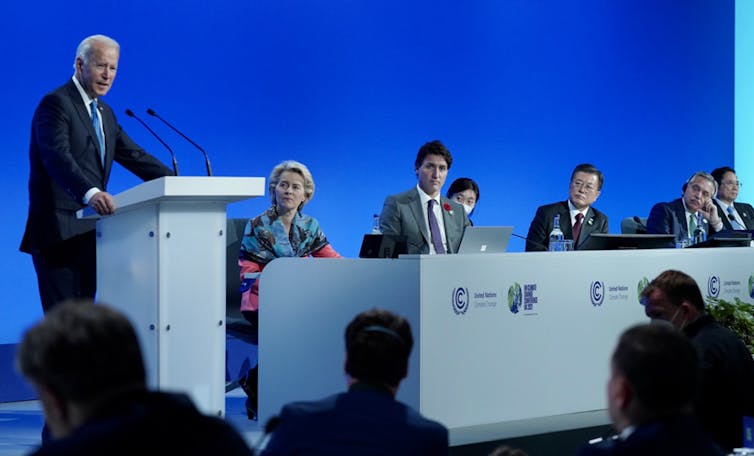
point(75, 138)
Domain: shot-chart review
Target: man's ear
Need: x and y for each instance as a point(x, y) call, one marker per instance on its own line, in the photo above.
point(623, 393)
point(56, 411)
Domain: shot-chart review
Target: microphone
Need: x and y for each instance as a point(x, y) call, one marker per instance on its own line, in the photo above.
point(544, 247)
point(151, 112)
point(731, 218)
point(130, 113)
point(642, 229)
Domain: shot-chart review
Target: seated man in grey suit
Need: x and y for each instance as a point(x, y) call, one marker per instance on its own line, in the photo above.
point(679, 216)
point(365, 420)
point(735, 216)
point(430, 222)
point(577, 218)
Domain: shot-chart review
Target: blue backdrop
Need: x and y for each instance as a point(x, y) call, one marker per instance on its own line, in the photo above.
point(519, 90)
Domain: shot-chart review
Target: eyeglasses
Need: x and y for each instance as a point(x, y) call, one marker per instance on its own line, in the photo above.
point(736, 183)
point(589, 187)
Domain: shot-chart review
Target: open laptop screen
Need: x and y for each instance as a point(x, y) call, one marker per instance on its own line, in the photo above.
point(485, 239)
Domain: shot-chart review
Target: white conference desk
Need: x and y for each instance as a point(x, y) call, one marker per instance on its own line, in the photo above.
point(483, 370)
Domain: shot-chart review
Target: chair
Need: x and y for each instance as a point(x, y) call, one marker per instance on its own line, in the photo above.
point(629, 226)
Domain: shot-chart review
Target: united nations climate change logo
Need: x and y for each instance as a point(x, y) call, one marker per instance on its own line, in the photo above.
point(713, 286)
point(643, 283)
point(597, 293)
point(515, 297)
point(460, 300)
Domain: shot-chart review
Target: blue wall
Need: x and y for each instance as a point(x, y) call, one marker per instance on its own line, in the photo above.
point(520, 91)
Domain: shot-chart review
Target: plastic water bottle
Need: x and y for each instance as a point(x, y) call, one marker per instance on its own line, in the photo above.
point(376, 224)
point(699, 234)
point(556, 236)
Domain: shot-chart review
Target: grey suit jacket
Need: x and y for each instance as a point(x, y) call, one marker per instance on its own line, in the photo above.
point(65, 163)
point(744, 210)
point(538, 237)
point(402, 214)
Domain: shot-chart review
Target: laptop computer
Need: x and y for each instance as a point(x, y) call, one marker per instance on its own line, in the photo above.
point(485, 239)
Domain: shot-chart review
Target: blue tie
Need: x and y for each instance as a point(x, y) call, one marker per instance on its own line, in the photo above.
point(733, 222)
point(434, 228)
point(98, 131)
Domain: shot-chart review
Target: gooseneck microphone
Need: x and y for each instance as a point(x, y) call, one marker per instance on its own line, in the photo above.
point(642, 228)
point(529, 240)
point(130, 113)
point(151, 112)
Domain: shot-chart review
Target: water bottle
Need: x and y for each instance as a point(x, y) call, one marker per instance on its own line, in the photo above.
point(557, 243)
point(699, 234)
point(376, 224)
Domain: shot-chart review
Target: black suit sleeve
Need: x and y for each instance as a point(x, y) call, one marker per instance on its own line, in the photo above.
point(539, 231)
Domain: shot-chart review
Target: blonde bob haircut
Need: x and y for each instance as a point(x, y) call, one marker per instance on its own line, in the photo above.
point(295, 167)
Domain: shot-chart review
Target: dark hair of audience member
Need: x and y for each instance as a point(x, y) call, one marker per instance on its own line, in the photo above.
point(678, 287)
point(661, 365)
point(378, 344)
point(82, 350)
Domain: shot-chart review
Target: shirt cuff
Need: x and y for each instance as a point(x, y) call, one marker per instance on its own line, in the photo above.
point(89, 193)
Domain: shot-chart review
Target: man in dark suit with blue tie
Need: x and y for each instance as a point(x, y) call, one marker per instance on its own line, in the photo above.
point(650, 392)
point(735, 215)
point(436, 230)
point(366, 419)
point(74, 140)
point(675, 217)
point(578, 219)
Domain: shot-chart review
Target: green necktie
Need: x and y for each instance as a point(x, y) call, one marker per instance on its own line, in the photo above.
point(692, 225)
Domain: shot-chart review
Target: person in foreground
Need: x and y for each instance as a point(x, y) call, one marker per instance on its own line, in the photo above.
point(465, 192)
point(650, 393)
point(85, 364)
point(281, 231)
point(431, 223)
point(75, 138)
point(735, 215)
point(367, 419)
point(578, 219)
point(679, 216)
point(726, 368)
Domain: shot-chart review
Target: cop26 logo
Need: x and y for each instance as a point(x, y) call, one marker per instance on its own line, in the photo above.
point(515, 297)
point(713, 286)
point(597, 293)
point(460, 300)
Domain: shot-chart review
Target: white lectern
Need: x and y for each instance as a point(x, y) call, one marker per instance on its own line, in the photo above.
point(161, 260)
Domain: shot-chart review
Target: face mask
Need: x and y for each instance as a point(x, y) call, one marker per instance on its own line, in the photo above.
point(468, 208)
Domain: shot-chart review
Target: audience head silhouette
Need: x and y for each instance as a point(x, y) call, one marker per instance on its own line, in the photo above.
point(378, 344)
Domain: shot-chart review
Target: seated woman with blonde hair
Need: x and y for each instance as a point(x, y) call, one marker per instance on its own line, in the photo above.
point(281, 231)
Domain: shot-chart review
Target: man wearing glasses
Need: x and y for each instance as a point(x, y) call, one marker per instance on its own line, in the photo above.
point(679, 217)
point(577, 218)
point(735, 216)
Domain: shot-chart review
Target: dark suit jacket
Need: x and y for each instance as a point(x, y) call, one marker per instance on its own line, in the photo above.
point(744, 210)
point(670, 218)
point(403, 214)
point(538, 237)
point(726, 384)
point(358, 422)
point(149, 423)
point(65, 163)
point(674, 436)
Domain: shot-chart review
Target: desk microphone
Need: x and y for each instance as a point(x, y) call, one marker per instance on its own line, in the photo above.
point(151, 112)
point(130, 113)
point(641, 224)
point(529, 240)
